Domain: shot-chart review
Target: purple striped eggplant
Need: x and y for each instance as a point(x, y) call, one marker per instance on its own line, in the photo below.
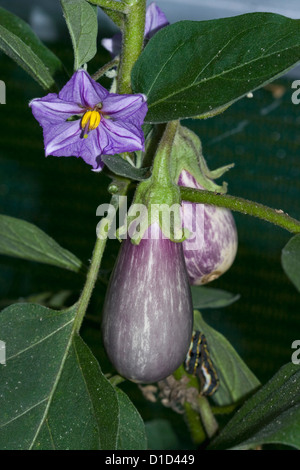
point(148, 314)
point(215, 248)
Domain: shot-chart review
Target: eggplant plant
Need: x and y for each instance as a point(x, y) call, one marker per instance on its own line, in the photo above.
point(129, 350)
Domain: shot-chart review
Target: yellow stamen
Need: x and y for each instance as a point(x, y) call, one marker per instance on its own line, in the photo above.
point(85, 118)
point(94, 120)
point(90, 121)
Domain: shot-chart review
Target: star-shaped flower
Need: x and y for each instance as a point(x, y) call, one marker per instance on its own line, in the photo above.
point(85, 120)
point(155, 20)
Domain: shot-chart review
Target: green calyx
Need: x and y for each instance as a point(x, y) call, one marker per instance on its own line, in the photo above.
point(157, 200)
point(187, 155)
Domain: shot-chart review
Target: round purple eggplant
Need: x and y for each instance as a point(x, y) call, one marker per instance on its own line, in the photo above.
point(148, 315)
point(212, 249)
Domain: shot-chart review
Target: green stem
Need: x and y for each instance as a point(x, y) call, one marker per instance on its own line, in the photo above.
point(111, 5)
point(161, 167)
point(105, 68)
point(115, 16)
point(133, 40)
point(100, 244)
point(194, 424)
point(208, 420)
point(275, 216)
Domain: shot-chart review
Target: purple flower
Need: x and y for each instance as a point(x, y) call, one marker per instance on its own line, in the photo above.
point(155, 20)
point(85, 120)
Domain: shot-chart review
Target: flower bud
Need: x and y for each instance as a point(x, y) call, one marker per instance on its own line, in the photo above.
point(148, 314)
point(213, 250)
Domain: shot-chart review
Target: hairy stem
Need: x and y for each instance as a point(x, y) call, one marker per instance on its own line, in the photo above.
point(133, 40)
point(115, 16)
point(275, 216)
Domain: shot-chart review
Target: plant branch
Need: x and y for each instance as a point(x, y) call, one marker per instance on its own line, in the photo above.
point(102, 71)
point(111, 5)
point(275, 216)
point(115, 16)
point(208, 420)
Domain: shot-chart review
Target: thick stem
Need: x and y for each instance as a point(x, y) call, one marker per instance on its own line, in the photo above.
point(133, 40)
point(97, 257)
point(275, 216)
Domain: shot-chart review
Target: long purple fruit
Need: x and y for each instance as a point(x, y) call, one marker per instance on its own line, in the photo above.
point(215, 248)
point(148, 314)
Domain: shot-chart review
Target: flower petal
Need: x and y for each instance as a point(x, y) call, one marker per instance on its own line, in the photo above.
point(61, 139)
point(131, 108)
point(155, 20)
point(83, 90)
point(120, 137)
point(51, 110)
point(66, 141)
point(113, 45)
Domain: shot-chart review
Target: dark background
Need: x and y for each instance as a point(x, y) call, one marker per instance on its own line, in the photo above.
point(60, 195)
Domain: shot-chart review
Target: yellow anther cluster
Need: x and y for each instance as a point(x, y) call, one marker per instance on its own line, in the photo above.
point(90, 121)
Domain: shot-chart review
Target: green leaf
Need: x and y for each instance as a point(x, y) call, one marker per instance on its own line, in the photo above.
point(81, 19)
point(20, 43)
point(24, 240)
point(132, 434)
point(207, 297)
point(121, 167)
point(236, 379)
point(207, 65)
point(271, 416)
point(53, 394)
point(290, 259)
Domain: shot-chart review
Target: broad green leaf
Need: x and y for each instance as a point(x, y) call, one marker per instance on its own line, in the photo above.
point(205, 66)
point(132, 434)
point(53, 394)
point(121, 167)
point(20, 43)
point(290, 259)
point(271, 416)
point(24, 240)
point(207, 297)
point(236, 379)
point(81, 19)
